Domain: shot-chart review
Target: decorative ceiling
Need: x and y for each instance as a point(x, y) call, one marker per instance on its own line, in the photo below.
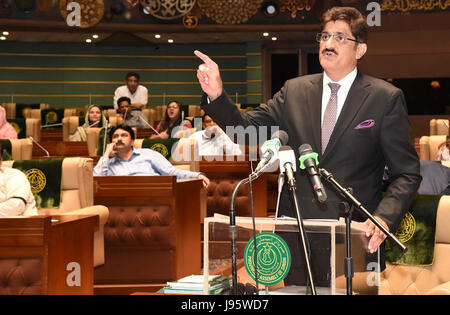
point(182, 20)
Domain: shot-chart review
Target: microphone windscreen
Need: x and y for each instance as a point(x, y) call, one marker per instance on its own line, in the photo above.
point(282, 135)
point(304, 149)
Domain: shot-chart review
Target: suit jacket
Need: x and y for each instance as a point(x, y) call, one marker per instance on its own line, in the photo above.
point(356, 153)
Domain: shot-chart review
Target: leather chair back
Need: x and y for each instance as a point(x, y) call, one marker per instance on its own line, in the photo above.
point(439, 127)
point(429, 146)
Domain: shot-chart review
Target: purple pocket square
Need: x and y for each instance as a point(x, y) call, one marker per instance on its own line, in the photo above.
point(366, 124)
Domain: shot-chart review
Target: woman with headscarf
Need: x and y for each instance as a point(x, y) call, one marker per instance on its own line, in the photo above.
point(7, 131)
point(94, 118)
point(173, 118)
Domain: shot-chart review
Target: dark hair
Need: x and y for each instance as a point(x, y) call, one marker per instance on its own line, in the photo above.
point(123, 127)
point(132, 74)
point(204, 115)
point(122, 99)
point(352, 17)
point(165, 123)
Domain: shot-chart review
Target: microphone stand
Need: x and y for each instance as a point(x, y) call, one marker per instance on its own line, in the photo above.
point(233, 231)
point(146, 122)
point(302, 234)
point(347, 205)
point(40, 146)
point(104, 138)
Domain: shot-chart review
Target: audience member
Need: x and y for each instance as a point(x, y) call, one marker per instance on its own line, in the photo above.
point(16, 198)
point(121, 158)
point(212, 140)
point(137, 93)
point(131, 117)
point(172, 118)
point(443, 153)
point(6, 130)
point(94, 119)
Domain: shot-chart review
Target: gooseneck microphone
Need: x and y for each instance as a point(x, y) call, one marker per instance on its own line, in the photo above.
point(94, 123)
point(270, 148)
point(308, 160)
point(146, 122)
point(41, 147)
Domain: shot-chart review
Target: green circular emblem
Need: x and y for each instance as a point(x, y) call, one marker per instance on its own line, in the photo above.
point(161, 148)
point(16, 127)
point(51, 117)
point(407, 228)
point(273, 258)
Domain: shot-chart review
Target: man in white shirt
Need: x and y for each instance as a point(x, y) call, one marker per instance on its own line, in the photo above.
point(16, 198)
point(213, 141)
point(137, 93)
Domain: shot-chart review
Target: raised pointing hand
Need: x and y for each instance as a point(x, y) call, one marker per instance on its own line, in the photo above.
point(208, 76)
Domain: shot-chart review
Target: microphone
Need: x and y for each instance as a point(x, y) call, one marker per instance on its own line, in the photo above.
point(106, 135)
point(269, 149)
point(93, 124)
point(308, 160)
point(287, 163)
point(52, 125)
point(37, 143)
point(146, 122)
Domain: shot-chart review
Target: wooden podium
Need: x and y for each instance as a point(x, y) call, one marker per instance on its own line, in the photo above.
point(56, 251)
point(153, 232)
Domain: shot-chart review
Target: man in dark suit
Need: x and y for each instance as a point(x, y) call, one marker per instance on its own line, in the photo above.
point(356, 123)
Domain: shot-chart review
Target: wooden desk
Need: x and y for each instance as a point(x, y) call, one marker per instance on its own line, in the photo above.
point(61, 252)
point(51, 134)
point(232, 172)
point(61, 148)
point(153, 231)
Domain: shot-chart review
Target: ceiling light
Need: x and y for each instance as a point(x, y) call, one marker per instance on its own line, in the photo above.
point(270, 8)
point(2, 38)
point(95, 36)
point(88, 40)
point(5, 33)
point(274, 38)
point(170, 41)
point(265, 34)
point(157, 36)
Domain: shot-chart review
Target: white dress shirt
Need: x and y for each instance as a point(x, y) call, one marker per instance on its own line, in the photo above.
point(139, 96)
point(345, 84)
point(16, 198)
point(217, 146)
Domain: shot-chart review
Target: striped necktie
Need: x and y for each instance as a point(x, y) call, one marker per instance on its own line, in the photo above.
point(329, 118)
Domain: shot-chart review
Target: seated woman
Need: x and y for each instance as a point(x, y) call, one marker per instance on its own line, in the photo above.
point(16, 198)
point(172, 119)
point(6, 130)
point(443, 153)
point(94, 118)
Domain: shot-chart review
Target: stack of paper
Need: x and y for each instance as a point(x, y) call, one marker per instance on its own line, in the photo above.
point(194, 285)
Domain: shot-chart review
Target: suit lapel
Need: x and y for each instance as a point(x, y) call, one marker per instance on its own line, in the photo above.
point(355, 99)
point(314, 94)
